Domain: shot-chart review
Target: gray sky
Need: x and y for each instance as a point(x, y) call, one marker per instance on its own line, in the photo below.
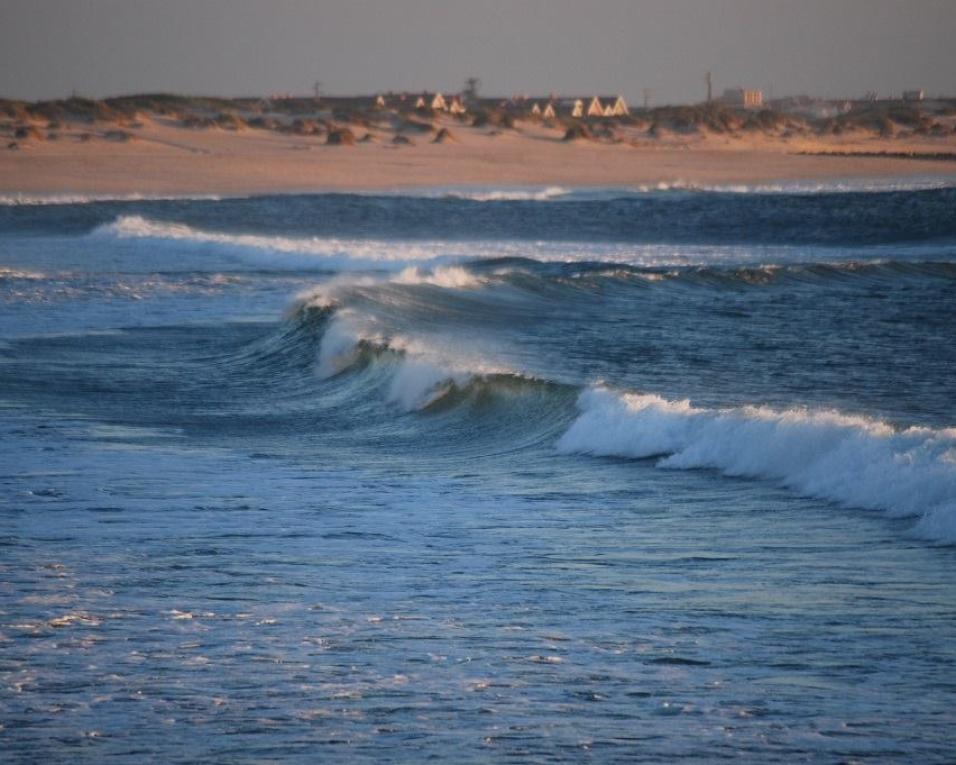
point(251, 47)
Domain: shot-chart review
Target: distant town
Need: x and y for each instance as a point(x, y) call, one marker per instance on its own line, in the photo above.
point(403, 118)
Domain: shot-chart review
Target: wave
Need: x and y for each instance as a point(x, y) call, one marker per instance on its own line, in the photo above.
point(875, 184)
point(553, 193)
point(18, 274)
point(800, 187)
point(32, 200)
point(851, 461)
point(345, 254)
point(423, 370)
point(550, 193)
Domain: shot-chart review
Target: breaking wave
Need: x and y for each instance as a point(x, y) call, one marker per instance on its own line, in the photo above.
point(852, 461)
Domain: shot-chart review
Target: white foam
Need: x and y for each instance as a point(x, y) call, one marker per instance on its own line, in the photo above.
point(422, 369)
point(852, 461)
point(830, 186)
point(284, 251)
point(21, 274)
point(339, 347)
point(448, 277)
point(84, 199)
point(270, 251)
point(510, 194)
point(873, 184)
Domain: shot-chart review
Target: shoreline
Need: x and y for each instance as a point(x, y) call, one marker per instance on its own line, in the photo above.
point(504, 191)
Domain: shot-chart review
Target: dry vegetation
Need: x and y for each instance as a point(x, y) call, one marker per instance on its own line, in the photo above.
point(335, 120)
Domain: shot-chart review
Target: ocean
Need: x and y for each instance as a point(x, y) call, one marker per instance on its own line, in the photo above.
point(475, 475)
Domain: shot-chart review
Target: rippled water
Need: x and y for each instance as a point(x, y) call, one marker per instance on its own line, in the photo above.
point(549, 476)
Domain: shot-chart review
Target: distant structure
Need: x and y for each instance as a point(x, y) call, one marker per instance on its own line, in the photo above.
point(603, 106)
point(546, 112)
point(710, 87)
point(470, 93)
point(913, 95)
point(596, 106)
point(749, 99)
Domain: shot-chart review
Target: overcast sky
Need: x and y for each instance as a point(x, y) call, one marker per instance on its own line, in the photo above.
point(49, 48)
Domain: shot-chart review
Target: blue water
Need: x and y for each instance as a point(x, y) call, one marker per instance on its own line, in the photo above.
point(538, 476)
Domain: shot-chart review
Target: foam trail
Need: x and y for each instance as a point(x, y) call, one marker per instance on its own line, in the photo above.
point(853, 461)
point(832, 186)
point(510, 195)
point(874, 184)
point(32, 200)
point(331, 253)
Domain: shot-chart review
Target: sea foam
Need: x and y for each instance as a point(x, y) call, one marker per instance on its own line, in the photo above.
point(848, 460)
point(7, 200)
point(348, 254)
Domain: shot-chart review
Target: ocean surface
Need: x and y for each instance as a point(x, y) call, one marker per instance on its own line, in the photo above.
point(527, 475)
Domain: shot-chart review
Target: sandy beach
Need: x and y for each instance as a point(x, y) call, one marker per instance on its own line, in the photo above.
point(159, 156)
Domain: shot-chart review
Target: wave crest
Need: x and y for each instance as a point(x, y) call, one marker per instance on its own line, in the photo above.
point(852, 461)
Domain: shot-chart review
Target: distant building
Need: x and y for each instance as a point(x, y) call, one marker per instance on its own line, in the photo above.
point(434, 101)
point(595, 108)
point(749, 99)
point(913, 95)
point(547, 112)
point(380, 101)
point(615, 106)
point(455, 105)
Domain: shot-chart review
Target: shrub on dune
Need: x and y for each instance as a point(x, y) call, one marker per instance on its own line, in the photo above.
point(340, 136)
point(27, 132)
point(577, 132)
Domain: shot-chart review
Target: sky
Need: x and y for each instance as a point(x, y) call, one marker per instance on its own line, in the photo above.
point(833, 48)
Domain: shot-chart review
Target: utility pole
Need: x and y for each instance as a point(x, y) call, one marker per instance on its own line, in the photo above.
point(317, 89)
point(710, 87)
point(648, 94)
